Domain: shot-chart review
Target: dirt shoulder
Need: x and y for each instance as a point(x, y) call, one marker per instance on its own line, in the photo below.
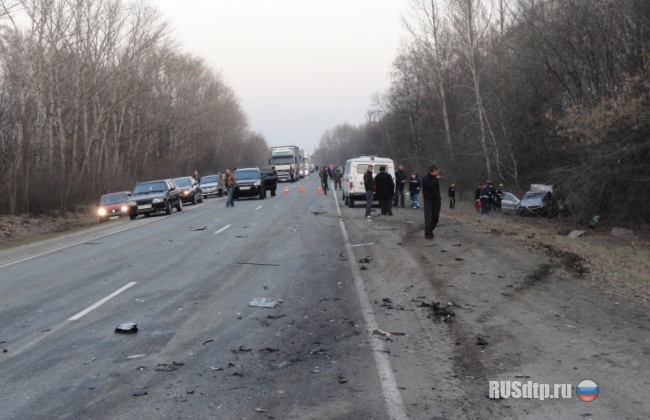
point(22, 229)
point(548, 309)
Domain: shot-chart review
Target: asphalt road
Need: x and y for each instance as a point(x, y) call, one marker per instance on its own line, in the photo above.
point(201, 351)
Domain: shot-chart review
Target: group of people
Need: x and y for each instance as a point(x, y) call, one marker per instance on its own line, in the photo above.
point(487, 198)
point(330, 173)
point(391, 193)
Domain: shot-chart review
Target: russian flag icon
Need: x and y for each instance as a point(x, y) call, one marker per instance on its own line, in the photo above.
point(587, 390)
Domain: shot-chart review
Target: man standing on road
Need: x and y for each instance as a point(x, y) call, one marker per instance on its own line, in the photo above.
point(369, 184)
point(337, 178)
point(275, 187)
point(431, 198)
point(400, 181)
point(324, 178)
point(230, 188)
point(385, 187)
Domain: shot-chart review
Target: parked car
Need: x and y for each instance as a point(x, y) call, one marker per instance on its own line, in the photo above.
point(509, 202)
point(153, 197)
point(352, 181)
point(249, 183)
point(113, 204)
point(211, 185)
point(270, 180)
point(190, 189)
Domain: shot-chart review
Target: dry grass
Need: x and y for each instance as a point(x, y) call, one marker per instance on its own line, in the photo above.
point(616, 266)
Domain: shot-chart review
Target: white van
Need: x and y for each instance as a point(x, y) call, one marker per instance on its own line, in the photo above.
point(352, 182)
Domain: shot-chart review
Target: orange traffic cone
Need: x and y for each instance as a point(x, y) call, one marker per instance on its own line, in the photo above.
point(300, 190)
point(286, 190)
point(319, 191)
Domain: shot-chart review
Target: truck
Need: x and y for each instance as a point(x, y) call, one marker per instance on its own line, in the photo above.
point(287, 161)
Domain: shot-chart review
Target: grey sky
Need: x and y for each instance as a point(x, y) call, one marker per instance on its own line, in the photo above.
point(299, 67)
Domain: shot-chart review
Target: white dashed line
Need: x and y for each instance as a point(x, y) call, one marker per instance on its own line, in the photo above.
point(91, 307)
point(258, 208)
point(222, 229)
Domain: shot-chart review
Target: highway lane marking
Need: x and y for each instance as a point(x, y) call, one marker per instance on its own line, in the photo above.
point(75, 244)
point(360, 245)
point(101, 302)
point(258, 208)
point(394, 402)
point(222, 229)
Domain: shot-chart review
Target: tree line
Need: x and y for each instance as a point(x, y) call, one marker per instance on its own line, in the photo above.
point(96, 95)
point(519, 92)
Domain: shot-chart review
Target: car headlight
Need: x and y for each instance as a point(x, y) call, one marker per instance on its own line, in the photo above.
point(124, 209)
point(157, 200)
point(186, 192)
point(257, 184)
point(101, 212)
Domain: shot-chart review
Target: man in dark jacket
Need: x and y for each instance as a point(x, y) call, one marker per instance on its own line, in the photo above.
point(384, 188)
point(431, 198)
point(452, 195)
point(369, 184)
point(324, 178)
point(400, 180)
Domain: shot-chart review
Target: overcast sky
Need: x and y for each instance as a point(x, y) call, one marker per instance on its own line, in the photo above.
point(299, 67)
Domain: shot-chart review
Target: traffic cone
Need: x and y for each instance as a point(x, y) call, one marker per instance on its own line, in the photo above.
point(319, 191)
point(286, 190)
point(300, 190)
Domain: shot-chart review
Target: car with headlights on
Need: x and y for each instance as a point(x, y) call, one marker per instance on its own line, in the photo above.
point(113, 205)
point(249, 183)
point(211, 185)
point(154, 197)
point(190, 189)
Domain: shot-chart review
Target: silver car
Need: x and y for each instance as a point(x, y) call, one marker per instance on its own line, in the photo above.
point(211, 185)
point(509, 202)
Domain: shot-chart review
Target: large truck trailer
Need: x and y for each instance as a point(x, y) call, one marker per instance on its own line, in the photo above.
point(287, 161)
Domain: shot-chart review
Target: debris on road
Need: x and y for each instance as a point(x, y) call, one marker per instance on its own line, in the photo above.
point(127, 328)
point(242, 349)
point(264, 303)
point(261, 410)
point(459, 259)
point(342, 379)
point(270, 349)
point(365, 260)
point(201, 228)
point(92, 360)
point(208, 341)
point(316, 213)
point(482, 340)
point(241, 236)
point(439, 313)
point(363, 267)
point(276, 316)
point(140, 392)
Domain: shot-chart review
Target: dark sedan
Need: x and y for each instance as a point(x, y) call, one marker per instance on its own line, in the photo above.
point(154, 196)
point(190, 189)
point(249, 183)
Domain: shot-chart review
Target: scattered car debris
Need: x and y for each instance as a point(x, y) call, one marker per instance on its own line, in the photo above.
point(387, 300)
point(261, 410)
point(459, 259)
point(248, 263)
point(365, 260)
point(92, 360)
point(241, 236)
point(316, 213)
point(453, 304)
point(342, 379)
point(242, 349)
point(270, 349)
point(276, 316)
point(208, 341)
point(482, 340)
point(316, 370)
point(438, 313)
point(443, 250)
point(201, 228)
point(264, 303)
point(457, 244)
point(127, 328)
point(363, 267)
point(575, 233)
point(140, 392)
